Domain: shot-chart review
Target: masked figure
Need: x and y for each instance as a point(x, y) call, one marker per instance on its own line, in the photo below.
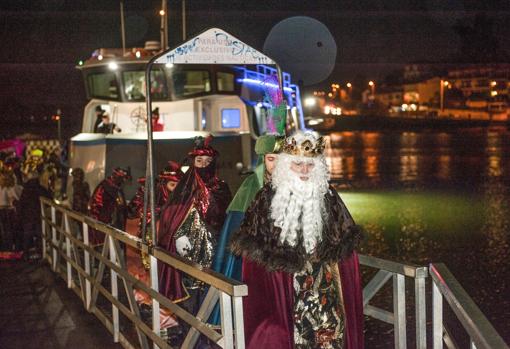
point(297, 241)
point(191, 221)
point(108, 203)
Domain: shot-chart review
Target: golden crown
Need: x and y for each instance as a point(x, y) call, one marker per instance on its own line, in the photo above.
point(308, 147)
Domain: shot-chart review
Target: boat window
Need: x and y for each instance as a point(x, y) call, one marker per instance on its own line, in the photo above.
point(190, 82)
point(134, 85)
point(103, 85)
point(225, 82)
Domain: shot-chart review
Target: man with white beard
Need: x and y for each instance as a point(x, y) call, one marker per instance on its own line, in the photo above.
point(297, 241)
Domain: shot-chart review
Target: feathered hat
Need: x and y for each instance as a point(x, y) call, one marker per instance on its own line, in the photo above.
point(172, 172)
point(203, 148)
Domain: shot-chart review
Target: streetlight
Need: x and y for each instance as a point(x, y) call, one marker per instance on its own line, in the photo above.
point(372, 87)
point(57, 117)
point(442, 85)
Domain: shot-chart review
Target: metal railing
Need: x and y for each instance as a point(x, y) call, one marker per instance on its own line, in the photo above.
point(444, 286)
point(69, 253)
point(398, 272)
point(66, 247)
point(482, 334)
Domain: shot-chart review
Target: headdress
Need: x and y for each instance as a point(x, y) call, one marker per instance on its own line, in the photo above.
point(123, 173)
point(172, 172)
point(305, 144)
point(202, 147)
point(277, 116)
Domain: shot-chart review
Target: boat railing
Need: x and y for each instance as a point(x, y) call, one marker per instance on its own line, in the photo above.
point(67, 248)
point(482, 334)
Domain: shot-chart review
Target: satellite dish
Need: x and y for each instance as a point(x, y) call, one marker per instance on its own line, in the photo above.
point(304, 47)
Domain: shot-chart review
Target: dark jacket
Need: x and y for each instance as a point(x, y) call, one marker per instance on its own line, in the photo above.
point(29, 204)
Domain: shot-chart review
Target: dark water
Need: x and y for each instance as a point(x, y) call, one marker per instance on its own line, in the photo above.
point(434, 197)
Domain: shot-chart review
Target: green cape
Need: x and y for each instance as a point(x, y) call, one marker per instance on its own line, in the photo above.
point(248, 190)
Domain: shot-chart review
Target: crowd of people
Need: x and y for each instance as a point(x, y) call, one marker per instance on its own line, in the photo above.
point(22, 182)
point(285, 233)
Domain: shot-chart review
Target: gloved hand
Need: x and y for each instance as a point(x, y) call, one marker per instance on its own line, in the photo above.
point(182, 245)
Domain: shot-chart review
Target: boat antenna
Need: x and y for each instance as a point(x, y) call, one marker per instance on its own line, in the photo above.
point(183, 20)
point(122, 27)
point(164, 25)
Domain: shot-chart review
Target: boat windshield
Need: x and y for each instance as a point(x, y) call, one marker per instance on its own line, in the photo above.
point(134, 85)
point(103, 85)
point(190, 82)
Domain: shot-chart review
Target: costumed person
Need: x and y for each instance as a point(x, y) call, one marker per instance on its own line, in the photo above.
point(138, 265)
point(9, 195)
point(30, 206)
point(156, 126)
point(108, 204)
point(81, 191)
point(266, 148)
point(189, 224)
point(297, 241)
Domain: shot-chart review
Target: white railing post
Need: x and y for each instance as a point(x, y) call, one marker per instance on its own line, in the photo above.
point(437, 317)
point(86, 257)
point(114, 289)
point(54, 238)
point(226, 320)
point(238, 322)
point(421, 313)
point(68, 251)
point(399, 310)
point(156, 326)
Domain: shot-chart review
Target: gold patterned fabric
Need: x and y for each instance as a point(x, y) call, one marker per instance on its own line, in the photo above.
point(201, 239)
point(318, 311)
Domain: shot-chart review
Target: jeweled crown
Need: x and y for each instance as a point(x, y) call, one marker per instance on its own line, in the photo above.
point(310, 146)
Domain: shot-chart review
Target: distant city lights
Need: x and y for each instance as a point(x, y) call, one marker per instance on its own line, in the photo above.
point(332, 110)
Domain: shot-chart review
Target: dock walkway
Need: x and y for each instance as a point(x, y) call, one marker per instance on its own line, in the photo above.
point(38, 311)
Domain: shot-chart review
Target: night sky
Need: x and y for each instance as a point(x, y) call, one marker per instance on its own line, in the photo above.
point(43, 40)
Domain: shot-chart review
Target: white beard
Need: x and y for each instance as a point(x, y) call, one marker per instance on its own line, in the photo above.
point(299, 206)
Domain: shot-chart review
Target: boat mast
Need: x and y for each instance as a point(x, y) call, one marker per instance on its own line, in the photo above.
point(122, 27)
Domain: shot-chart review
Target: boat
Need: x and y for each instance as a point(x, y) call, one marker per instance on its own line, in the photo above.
point(211, 84)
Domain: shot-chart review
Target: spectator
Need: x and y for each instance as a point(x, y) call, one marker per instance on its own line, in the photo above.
point(30, 212)
point(81, 191)
point(9, 194)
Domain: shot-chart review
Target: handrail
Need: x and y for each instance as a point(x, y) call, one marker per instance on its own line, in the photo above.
point(481, 332)
point(221, 282)
point(61, 244)
point(408, 269)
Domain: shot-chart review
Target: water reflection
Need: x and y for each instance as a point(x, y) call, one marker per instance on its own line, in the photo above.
point(434, 196)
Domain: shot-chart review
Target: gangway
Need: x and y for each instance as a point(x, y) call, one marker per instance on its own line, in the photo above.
point(66, 248)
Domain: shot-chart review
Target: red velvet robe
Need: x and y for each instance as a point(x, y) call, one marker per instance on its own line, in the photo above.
point(268, 272)
point(210, 196)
